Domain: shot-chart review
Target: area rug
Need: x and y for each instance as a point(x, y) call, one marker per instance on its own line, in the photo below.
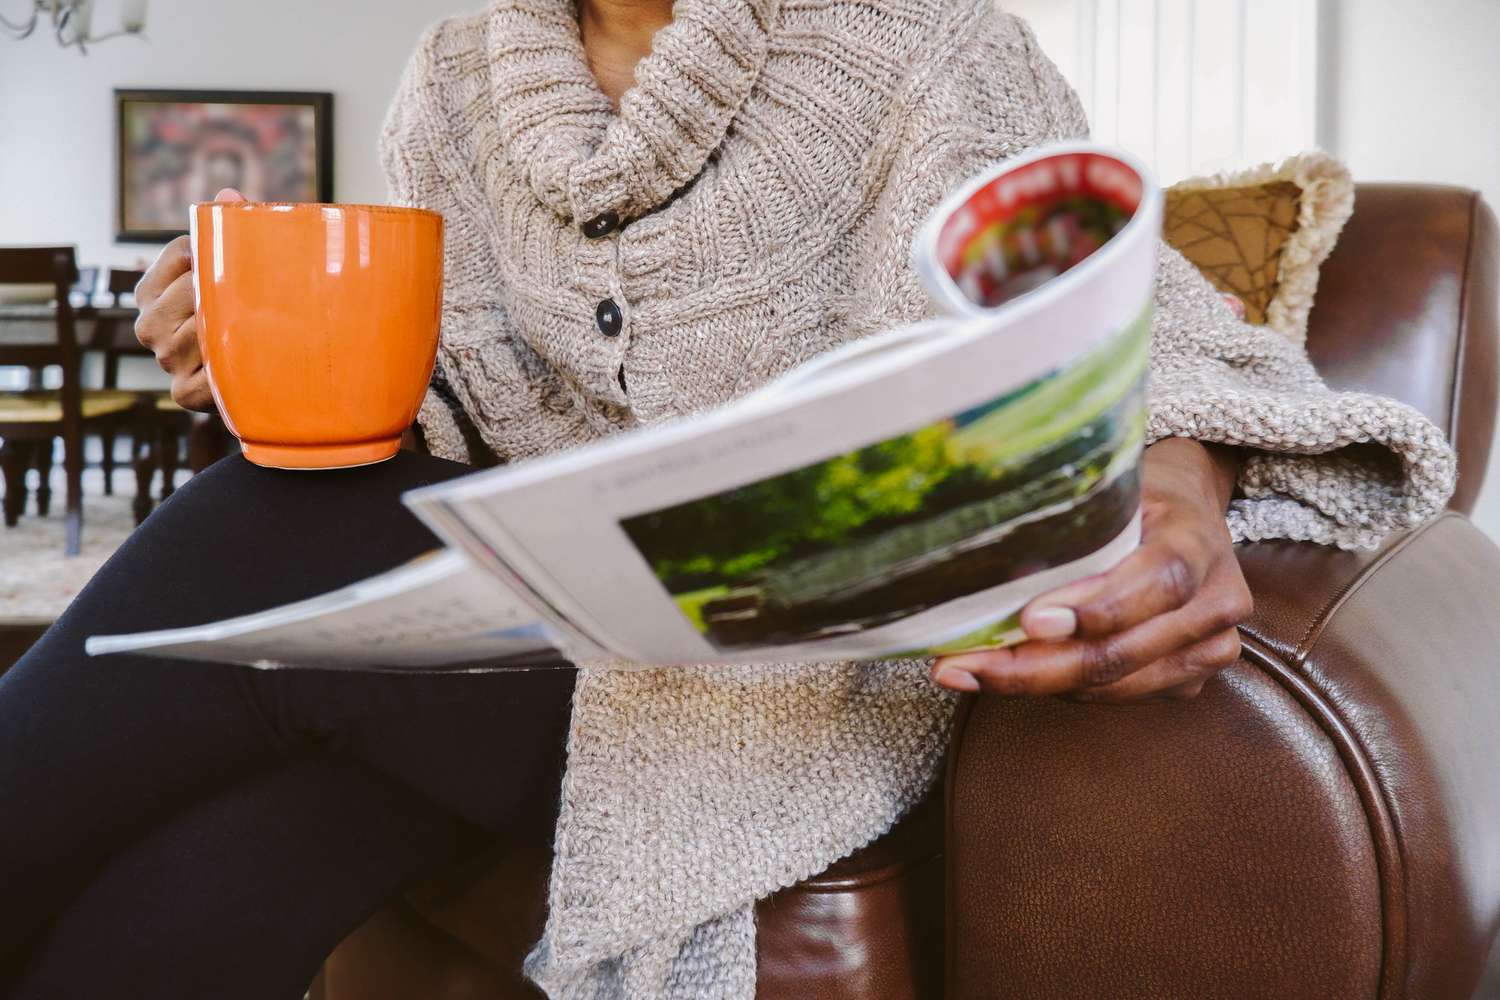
point(36, 580)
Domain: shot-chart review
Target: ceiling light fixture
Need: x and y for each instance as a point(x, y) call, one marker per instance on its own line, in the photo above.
point(72, 21)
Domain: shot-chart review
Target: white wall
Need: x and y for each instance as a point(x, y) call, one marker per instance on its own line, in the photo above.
point(56, 112)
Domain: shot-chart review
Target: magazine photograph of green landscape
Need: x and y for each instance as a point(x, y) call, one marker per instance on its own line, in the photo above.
point(1040, 476)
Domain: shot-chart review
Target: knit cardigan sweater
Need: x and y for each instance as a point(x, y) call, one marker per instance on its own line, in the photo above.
point(750, 204)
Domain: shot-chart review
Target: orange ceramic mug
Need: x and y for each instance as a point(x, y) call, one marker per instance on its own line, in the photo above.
point(318, 325)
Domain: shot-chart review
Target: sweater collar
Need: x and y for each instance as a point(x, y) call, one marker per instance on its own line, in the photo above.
point(580, 156)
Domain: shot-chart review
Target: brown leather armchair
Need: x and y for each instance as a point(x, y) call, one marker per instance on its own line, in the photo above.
point(1323, 822)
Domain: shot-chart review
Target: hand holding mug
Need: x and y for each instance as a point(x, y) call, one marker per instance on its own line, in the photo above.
point(167, 324)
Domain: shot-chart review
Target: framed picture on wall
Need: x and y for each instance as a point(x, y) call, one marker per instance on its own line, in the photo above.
point(175, 147)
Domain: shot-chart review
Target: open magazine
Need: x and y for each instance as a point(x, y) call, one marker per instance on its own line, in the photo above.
point(905, 494)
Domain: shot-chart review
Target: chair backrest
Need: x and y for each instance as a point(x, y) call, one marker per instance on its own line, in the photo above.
point(38, 266)
point(112, 335)
point(122, 281)
point(41, 265)
point(53, 266)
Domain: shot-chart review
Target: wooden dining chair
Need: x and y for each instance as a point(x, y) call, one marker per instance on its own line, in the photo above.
point(31, 419)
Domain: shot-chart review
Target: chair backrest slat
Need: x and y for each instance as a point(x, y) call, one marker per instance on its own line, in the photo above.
point(122, 281)
point(34, 265)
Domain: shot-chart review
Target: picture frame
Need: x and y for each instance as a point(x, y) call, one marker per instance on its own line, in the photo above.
point(175, 147)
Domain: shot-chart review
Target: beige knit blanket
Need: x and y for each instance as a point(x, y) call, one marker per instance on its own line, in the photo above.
point(771, 166)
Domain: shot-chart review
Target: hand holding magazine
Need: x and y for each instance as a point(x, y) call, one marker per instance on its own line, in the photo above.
point(906, 494)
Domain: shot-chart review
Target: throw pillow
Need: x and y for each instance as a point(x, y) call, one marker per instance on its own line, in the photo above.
point(1261, 235)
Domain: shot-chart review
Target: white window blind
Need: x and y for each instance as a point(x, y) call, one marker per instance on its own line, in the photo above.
point(1191, 86)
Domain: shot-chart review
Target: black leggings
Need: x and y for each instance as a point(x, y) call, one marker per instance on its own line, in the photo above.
point(178, 829)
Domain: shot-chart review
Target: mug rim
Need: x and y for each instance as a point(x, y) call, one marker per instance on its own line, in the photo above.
point(291, 205)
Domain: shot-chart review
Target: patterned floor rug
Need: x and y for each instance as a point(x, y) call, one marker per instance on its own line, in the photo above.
point(36, 580)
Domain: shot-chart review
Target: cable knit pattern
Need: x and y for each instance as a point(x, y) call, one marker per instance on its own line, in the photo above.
point(771, 166)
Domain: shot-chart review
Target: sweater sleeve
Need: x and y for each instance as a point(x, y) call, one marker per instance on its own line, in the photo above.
point(1340, 468)
point(1330, 467)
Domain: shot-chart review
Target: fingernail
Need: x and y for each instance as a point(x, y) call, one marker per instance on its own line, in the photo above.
point(1050, 623)
point(969, 662)
point(956, 680)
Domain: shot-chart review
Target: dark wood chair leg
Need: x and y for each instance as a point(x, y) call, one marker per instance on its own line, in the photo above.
point(44, 476)
point(107, 463)
point(14, 460)
point(73, 471)
point(169, 442)
point(143, 457)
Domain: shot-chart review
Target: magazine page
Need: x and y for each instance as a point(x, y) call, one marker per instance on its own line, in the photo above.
point(575, 641)
point(437, 612)
point(908, 494)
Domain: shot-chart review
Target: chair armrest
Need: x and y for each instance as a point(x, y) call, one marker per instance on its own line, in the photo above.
point(1321, 822)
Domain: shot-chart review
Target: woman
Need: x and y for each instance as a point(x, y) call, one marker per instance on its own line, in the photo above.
point(651, 208)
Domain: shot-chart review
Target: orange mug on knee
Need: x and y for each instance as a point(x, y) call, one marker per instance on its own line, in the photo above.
point(318, 325)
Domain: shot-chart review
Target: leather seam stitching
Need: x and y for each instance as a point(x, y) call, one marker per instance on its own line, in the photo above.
point(1319, 621)
point(1379, 814)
